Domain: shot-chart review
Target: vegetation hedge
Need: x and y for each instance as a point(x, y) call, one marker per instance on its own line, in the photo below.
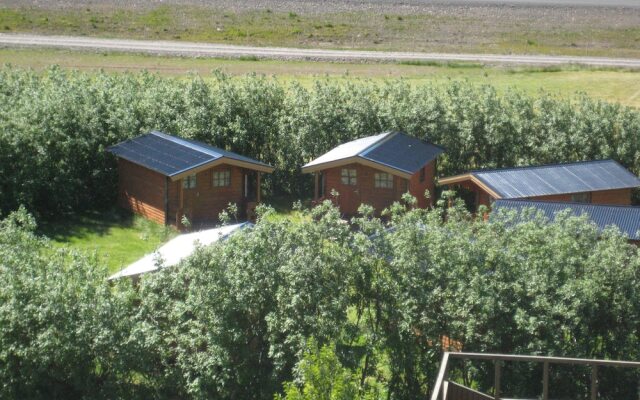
point(313, 309)
point(56, 125)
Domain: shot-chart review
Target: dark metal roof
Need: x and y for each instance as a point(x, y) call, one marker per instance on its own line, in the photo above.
point(626, 218)
point(586, 176)
point(393, 149)
point(170, 155)
point(402, 152)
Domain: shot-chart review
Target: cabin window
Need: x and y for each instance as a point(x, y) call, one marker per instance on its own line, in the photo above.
point(581, 197)
point(383, 180)
point(222, 178)
point(422, 174)
point(349, 176)
point(189, 182)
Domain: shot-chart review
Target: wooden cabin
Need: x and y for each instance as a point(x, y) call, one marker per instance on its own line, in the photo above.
point(375, 170)
point(164, 178)
point(595, 182)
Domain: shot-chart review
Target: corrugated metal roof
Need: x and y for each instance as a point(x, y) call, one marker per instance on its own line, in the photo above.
point(392, 149)
point(586, 176)
point(626, 218)
point(170, 155)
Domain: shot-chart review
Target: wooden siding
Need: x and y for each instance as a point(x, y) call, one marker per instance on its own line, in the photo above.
point(365, 192)
point(614, 197)
point(611, 197)
point(141, 190)
point(417, 188)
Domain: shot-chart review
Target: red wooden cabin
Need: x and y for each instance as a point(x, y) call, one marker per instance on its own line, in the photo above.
point(164, 178)
point(596, 182)
point(376, 170)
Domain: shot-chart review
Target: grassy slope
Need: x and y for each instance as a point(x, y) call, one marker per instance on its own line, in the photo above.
point(560, 31)
point(619, 86)
point(117, 236)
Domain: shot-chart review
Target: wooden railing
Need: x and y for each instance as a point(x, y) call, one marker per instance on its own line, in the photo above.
point(446, 390)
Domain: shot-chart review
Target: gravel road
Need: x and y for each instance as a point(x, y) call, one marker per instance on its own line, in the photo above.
point(231, 51)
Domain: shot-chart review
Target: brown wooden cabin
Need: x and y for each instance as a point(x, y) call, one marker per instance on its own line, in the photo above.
point(164, 178)
point(376, 170)
point(596, 182)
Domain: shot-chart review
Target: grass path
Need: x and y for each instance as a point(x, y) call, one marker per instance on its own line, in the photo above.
point(119, 238)
point(612, 85)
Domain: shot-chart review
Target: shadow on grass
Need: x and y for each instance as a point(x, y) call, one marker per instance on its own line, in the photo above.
point(82, 225)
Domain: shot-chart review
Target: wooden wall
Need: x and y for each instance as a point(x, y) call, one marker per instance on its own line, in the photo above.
point(203, 204)
point(141, 190)
point(365, 191)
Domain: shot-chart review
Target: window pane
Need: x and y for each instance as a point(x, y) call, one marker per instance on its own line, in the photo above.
point(189, 182)
point(383, 180)
point(348, 176)
point(222, 178)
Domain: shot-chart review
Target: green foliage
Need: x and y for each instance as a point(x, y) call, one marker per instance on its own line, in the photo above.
point(63, 330)
point(323, 377)
point(55, 127)
point(379, 298)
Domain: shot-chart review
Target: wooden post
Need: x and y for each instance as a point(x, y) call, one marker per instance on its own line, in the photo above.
point(545, 380)
point(258, 189)
point(496, 380)
point(594, 382)
point(316, 188)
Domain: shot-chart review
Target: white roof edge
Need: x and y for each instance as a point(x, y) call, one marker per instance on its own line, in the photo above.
point(177, 249)
point(319, 161)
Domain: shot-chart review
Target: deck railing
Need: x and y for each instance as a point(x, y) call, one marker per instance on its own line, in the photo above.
point(446, 390)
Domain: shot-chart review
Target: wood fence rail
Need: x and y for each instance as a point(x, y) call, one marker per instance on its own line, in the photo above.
point(446, 390)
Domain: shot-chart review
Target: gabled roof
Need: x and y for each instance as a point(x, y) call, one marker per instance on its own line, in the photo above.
point(175, 157)
point(544, 180)
point(626, 218)
point(395, 152)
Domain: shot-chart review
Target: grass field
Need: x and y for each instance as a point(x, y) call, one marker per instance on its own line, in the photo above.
point(593, 31)
point(118, 237)
point(612, 85)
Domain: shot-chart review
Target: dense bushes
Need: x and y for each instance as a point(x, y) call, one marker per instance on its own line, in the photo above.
point(55, 126)
point(64, 333)
point(240, 318)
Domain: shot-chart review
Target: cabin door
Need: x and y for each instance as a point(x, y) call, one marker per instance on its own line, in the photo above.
point(350, 196)
point(189, 194)
point(249, 193)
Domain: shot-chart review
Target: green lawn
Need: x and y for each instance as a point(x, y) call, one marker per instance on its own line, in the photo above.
point(612, 85)
point(118, 237)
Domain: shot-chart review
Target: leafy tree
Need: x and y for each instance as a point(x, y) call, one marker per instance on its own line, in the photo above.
point(63, 328)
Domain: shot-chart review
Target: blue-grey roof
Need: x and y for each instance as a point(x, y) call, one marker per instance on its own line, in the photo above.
point(170, 155)
point(626, 218)
point(586, 176)
point(395, 150)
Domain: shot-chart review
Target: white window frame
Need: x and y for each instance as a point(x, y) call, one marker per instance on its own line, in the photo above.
point(222, 178)
point(349, 176)
point(383, 180)
point(189, 182)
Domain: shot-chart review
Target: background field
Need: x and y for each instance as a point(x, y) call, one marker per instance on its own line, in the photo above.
point(469, 26)
point(612, 85)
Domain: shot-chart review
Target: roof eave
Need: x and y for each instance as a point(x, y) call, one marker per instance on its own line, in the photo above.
point(220, 161)
point(307, 169)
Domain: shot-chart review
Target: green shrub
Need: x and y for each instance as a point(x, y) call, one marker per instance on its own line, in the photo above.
point(64, 331)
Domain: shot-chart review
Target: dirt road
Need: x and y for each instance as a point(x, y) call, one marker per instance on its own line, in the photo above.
point(231, 51)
